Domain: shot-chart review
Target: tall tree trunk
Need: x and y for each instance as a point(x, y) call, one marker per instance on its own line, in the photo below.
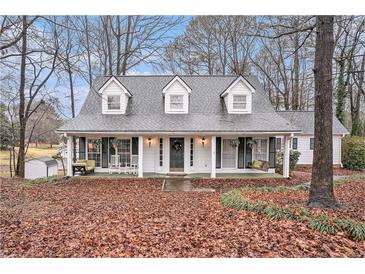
point(321, 192)
point(341, 91)
point(357, 124)
point(22, 118)
point(72, 96)
point(119, 37)
point(88, 51)
point(295, 95)
point(295, 92)
point(126, 45)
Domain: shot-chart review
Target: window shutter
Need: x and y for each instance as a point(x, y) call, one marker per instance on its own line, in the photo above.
point(104, 152)
point(82, 148)
point(241, 152)
point(218, 155)
point(272, 152)
point(111, 148)
point(134, 145)
point(248, 159)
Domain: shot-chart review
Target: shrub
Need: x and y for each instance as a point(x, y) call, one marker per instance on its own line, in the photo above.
point(353, 152)
point(293, 160)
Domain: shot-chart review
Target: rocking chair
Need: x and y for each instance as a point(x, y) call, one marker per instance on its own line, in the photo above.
point(114, 164)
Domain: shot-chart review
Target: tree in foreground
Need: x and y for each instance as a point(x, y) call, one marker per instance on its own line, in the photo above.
point(321, 193)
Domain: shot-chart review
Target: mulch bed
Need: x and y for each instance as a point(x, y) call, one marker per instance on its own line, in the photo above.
point(229, 183)
point(134, 218)
point(336, 170)
point(350, 195)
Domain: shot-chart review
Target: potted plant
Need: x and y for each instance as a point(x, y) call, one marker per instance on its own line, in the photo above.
point(251, 143)
point(235, 142)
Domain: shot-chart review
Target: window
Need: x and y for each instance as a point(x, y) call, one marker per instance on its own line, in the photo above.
point(124, 151)
point(311, 144)
point(93, 150)
point(176, 102)
point(113, 102)
point(191, 151)
point(278, 143)
point(260, 150)
point(161, 152)
point(239, 102)
point(295, 143)
point(228, 153)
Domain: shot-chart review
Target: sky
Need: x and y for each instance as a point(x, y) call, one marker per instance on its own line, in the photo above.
point(81, 87)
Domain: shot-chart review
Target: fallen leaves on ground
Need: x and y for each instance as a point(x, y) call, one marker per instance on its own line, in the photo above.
point(230, 183)
point(350, 195)
point(338, 171)
point(134, 218)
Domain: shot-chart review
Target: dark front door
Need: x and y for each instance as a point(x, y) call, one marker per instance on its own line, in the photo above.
point(176, 154)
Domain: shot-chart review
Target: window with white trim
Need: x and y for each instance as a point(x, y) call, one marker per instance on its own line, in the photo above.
point(124, 151)
point(239, 102)
point(228, 153)
point(177, 102)
point(113, 102)
point(94, 151)
point(260, 150)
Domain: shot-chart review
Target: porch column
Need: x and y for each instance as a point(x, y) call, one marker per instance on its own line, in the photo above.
point(140, 156)
point(286, 156)
point(213, 146)
point(69, 155)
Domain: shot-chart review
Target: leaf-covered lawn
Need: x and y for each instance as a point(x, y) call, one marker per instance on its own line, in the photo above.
point(350, 194)
point(92, 217)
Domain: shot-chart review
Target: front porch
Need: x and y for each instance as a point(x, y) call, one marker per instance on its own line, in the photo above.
point(225, 156)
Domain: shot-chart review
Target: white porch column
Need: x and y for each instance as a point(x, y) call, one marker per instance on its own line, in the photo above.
point(213, 146)
point(286, 156)
point(140, 156)
point(69, 155)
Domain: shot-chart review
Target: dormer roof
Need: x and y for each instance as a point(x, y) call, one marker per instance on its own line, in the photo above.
point(173, 80)
point(238, 79)
point(115, 80)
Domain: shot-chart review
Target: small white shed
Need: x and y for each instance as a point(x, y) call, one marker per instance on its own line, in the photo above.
point(41, 167)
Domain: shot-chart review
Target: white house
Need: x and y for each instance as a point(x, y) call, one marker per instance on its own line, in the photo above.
point(41, 167)
point(179, 124)
point(304, 141)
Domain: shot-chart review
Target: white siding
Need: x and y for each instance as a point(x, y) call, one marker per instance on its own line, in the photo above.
point(38, 169)
point(150, 155)
point(240, 88)
point(114, 89)
point(176, 88)
point(306, 154)
point(202, 155)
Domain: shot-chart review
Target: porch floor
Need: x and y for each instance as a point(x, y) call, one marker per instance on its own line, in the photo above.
point(195, 175)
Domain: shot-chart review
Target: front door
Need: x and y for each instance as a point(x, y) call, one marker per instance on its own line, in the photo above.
point(177, 154)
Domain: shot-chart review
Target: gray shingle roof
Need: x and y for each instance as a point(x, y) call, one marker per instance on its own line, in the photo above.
point(47, 160)
point(305, 121)
point(207, 113)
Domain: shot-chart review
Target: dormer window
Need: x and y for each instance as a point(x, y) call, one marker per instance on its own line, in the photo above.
point(115, 97)
point(239, 102)
point(114, 102)
point(238, 96)
point(176, 102)
point(176, 94)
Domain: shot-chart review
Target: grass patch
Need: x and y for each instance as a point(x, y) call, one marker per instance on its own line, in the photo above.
point(321, 223)
point(47, 180)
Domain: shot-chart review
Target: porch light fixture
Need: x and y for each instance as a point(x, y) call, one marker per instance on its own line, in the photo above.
point(91, 146)
point(149, 141)
point(203, 141)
